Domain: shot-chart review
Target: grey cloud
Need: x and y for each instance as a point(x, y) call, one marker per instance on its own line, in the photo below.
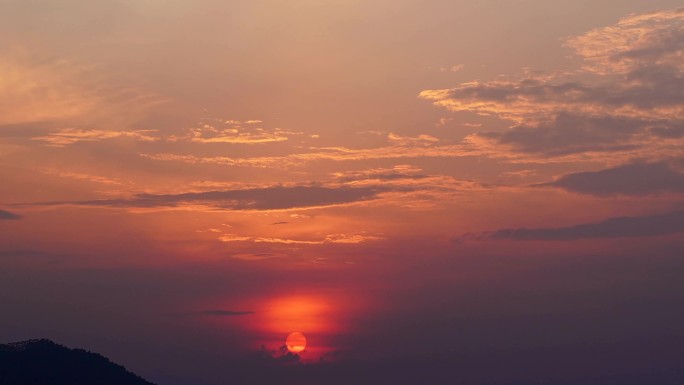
point(6, 215)
point(629, 179)
point(268, 198)
point(672, 132)
point(660, 40)
point(570, 133)
point(644, 226)
point(650, 86)
point(569, 118)
point(636, 99)
point(512, 91)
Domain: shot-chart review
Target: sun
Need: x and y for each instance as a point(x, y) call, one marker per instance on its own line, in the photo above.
point(295, 342)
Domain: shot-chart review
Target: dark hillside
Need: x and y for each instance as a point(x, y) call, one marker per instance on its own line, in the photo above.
point(43, 362)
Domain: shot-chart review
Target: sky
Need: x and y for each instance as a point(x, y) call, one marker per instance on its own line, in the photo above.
point(446, 191)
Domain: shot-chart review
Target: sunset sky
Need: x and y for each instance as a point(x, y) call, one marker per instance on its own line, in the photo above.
point(183, 182)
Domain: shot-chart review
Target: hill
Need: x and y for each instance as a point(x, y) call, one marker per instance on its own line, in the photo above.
point(43, 362)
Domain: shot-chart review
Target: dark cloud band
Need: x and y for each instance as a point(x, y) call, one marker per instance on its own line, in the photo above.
point(269, 198)
point(645, 226)
point(630, 179)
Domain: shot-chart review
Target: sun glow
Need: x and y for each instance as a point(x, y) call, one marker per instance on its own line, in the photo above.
point(299, 313)
point(323, 316)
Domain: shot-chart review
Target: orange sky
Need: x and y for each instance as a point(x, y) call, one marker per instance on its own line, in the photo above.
point(348, 169)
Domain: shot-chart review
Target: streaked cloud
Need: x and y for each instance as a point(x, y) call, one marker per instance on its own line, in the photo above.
point(420, 140)
point(84, 176)
point(49, 88)
point(398, 147)
point(629, 179)
point(267, 198)
point(619, 227)
point(397, 172)
point(36, 90)
point(331, 238)
point(234, 132)
point(67, 136)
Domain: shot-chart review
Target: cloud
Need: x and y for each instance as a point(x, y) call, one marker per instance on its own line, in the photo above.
point(8, 216)
point(251, 257)
point(34, 90)
point(332, 238)
point(569, 133)
point(629, 94)
point(398, 147)
point(46, 88)
point(629, 179)
point(219, 313)
point(266, 198)
point(67, 136)
point(82, 176)
point(420, 140)
point(398, 172)
point(644, 226)
point(234, 132)
point(456, 67)
point(634, 42)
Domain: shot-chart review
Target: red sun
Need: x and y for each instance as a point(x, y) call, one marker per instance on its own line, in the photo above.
point(295, 342)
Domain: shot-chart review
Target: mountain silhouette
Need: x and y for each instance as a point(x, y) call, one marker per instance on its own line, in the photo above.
point(43, 362)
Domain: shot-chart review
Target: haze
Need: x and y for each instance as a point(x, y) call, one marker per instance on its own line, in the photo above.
point(185, 183)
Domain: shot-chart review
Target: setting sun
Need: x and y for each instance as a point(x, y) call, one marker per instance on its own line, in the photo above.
point(295, 342)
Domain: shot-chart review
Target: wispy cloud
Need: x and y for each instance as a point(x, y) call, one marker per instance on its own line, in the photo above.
point(395, 173)
point(332, 238)
point(453, 68)
point(619, 227)
point(84, 176)
point(234, 132)
point(67, 136)
point(398, 147)
point(39, 88)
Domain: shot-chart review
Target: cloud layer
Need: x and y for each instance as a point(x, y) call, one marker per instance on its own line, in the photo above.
point(629, 179)
point(268, 198)
point(644, 226)
point(629, 94)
